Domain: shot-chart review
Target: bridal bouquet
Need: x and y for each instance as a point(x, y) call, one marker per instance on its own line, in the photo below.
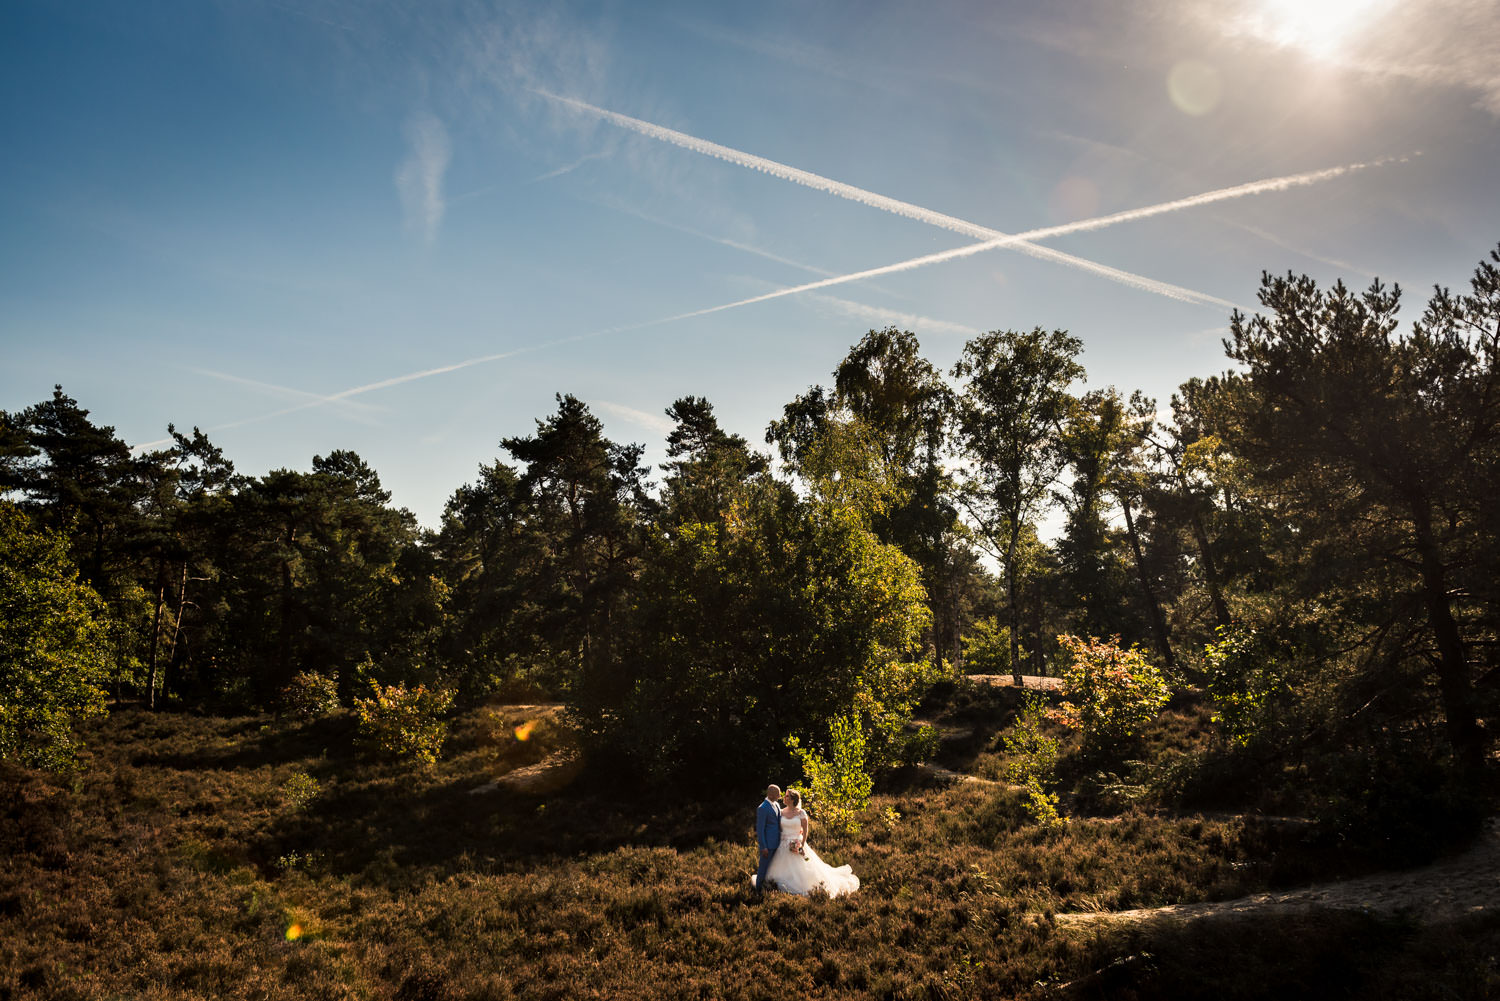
point(796, 846)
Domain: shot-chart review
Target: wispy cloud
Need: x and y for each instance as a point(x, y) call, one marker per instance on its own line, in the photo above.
point(894, 318)
point(419, 178)
point(993, 238)
point(651, 422)
point(570, 167)
point(1302, 251)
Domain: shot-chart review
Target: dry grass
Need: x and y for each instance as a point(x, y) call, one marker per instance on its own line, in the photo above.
point(250, 858)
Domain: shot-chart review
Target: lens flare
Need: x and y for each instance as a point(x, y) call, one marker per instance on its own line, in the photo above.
point(293, 932)
point(1074, 198)
point(523, 732)
point(1194, 87)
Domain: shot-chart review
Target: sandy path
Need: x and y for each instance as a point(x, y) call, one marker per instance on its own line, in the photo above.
point(1463, 885)
point(1032, 681)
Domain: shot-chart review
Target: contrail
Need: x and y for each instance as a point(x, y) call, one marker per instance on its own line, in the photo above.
point(997, 238)
point(282, 390)
point(994, 239)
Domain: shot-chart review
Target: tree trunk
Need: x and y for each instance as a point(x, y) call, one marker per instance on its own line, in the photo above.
point(181, 609)
point(161, 602)
point(1037, 667)
point(1158, 621)
point(936, 604)
point(1210, 572)
point(1464, 733)
point(1205, 550)
point(1015, 609)
point(284, 647)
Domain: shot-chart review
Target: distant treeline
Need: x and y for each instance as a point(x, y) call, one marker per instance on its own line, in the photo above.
point(1312, 538)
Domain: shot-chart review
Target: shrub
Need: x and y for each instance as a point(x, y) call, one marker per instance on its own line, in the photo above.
point(1033, 761)
point(300, 789)
point(54, 657)
point(405, 723)
point(838, 785)
point(311, 695)
point(1110, 690)
point(987, 647)
point(1244, 681)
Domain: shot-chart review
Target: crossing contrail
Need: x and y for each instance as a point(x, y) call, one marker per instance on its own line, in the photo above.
point(995, 238)
point(991, 239)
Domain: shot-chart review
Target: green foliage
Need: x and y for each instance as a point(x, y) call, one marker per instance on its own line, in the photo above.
point(310, 695)
point(1110, 691)
point(987, 647)
point(1378, 448)
point(54, 655)
point(839, 785)
point(1244, 681)
point(405, 723)
point(773, 618)
point(1008, 420)
point(300, 789)
point(1032, 761)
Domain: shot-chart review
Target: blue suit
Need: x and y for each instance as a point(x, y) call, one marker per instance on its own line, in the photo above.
point(768, 837)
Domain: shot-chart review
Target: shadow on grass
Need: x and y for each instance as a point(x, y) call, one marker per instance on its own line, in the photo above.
point(1323, 954)
point(969, 719)
point(255, 743)
point(393, 818)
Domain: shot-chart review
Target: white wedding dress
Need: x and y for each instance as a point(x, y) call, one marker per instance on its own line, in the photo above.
point(800, 874)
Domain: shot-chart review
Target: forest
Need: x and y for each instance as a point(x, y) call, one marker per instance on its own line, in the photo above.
point(1276, 594)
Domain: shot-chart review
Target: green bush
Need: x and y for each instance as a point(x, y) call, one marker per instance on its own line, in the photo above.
point(839, 786)
point(300, 789)
point(311, 695)
point(405, 723)
point(1033, 761)
point(1244, 681)
point(987, 647)
point(54, 657)
point(1110, 690)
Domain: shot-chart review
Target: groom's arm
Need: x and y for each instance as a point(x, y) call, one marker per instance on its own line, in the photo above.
point(763, 830)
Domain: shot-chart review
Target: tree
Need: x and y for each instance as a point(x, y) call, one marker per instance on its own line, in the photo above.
point(79, 479)
point(312, 567)
point(705, 465)
point(54, 659)
point(188, 489)
point(770, 617)
point(1377, 447)
point(586, 498)
point(487, 552)
point(886, 388)
point(886, 384)
point(1009, 420)
point(1188, 489)
point(1103, 441)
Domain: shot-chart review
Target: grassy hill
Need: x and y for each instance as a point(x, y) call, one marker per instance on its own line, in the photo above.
point(197, 856)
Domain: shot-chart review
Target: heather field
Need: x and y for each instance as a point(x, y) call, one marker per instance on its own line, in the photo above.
point(249, 857)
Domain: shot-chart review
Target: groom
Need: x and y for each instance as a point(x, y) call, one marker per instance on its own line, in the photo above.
point(767, 832)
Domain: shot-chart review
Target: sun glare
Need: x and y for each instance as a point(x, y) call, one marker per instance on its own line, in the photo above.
point(1318, 27)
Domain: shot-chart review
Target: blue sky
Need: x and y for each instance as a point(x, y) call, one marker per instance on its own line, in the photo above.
point(270, 219)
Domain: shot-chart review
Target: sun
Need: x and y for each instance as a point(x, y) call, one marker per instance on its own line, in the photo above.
point(1321, 28)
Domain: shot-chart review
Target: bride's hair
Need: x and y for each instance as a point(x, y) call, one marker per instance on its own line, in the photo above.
point(794, 796)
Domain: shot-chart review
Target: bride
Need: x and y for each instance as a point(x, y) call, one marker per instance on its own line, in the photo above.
point(795, 867)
